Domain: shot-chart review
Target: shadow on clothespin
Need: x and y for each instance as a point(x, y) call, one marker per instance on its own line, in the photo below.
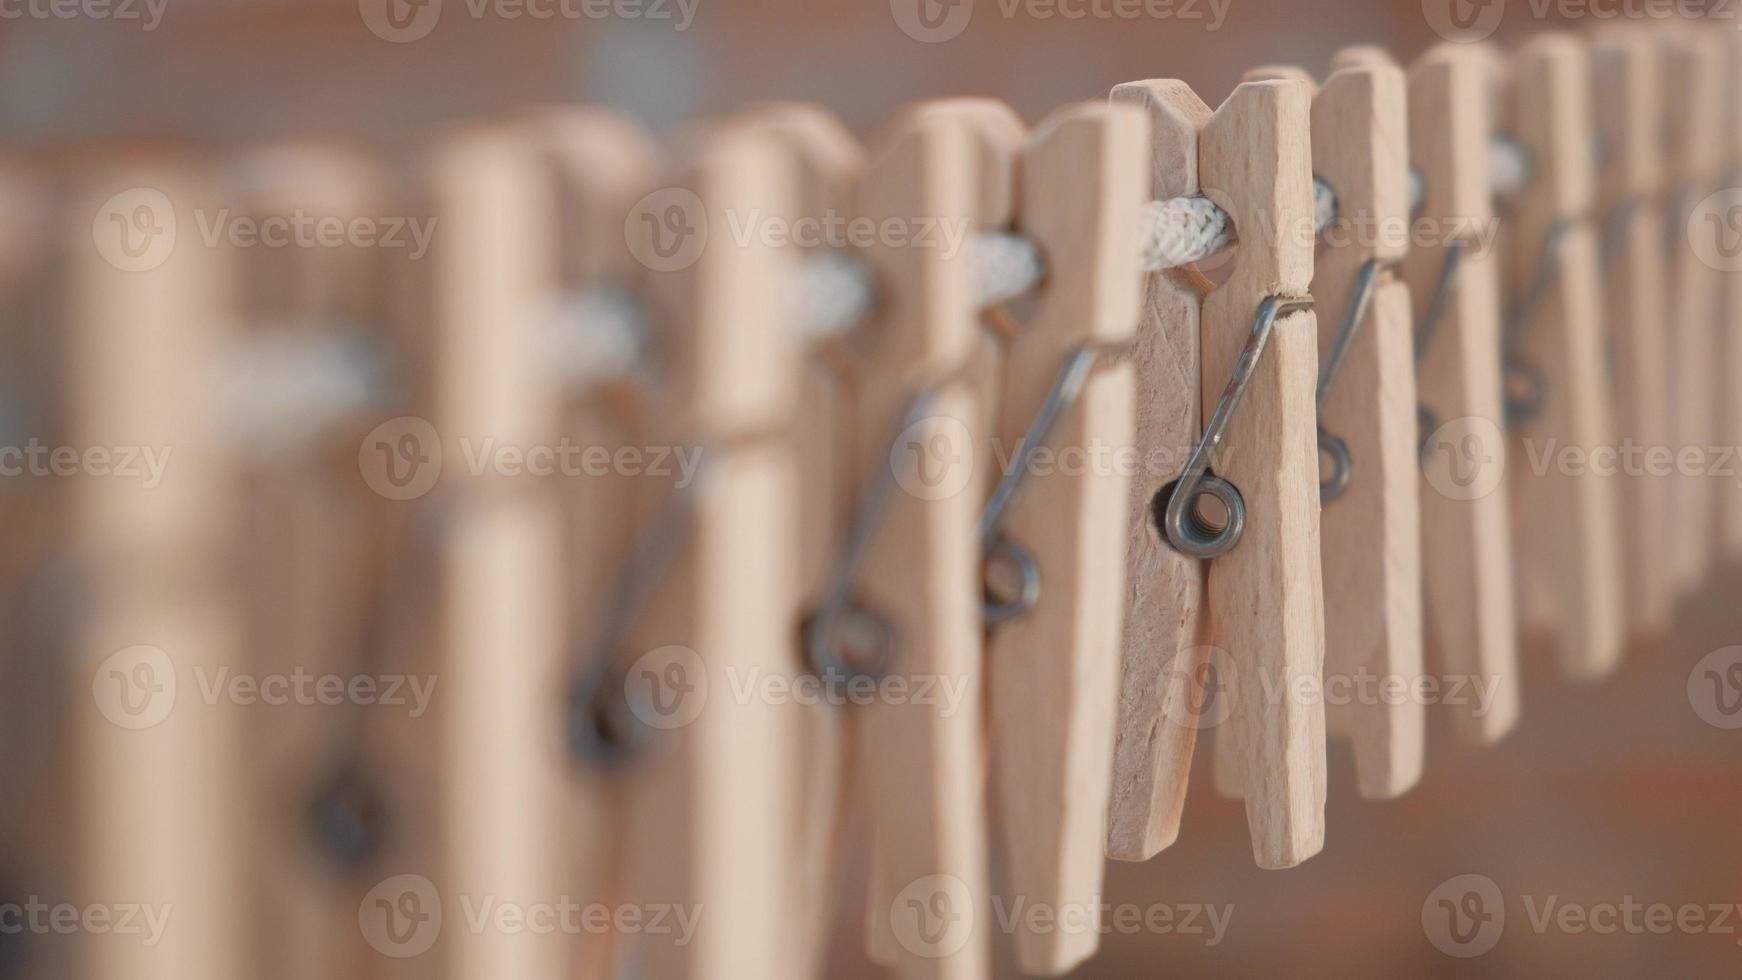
point(1627, 89)
point(1370, 535)
point(1467, 570)
point(1566, 497)
point(1718, 227)
point(1246, 499)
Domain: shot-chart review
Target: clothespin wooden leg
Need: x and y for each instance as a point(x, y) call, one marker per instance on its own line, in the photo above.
point(1627, 89)
point(709, 807)
point(1053, 670)
point(925, 761)
point(1566, 512)
point(1370, 528)
point(1453, 277)
point(1163, 659)
point(158, 768)
point(1266, 599)
point(1694, 77)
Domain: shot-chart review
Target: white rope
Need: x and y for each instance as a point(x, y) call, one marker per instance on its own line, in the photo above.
point(285, 385)
point(1508, 166)
point(835, 293)
point(1007, 266)
point(596, 334)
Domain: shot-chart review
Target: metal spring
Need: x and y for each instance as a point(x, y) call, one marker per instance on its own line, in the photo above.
point(1331, 447)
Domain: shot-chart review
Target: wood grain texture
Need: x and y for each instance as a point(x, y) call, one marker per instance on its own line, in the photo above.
point(925, 762)
point(1370, 538)
point(1465, 513)
point(1628, 98)
point(1266, 598)
point(1162, 657)
point(1053, 672)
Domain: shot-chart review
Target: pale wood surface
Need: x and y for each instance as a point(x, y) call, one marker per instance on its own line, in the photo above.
point(1566, 517)
point(1466, 533)
point(1628, 98)
point(1266, 598)
point(1370, 538)
point(1163, 661)
point(1730, 532)
point(1053, 672)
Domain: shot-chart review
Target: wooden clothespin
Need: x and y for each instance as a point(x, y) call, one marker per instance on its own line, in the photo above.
point(158, 768)
point(1694, 76)
point(828, 163)
point(1370, 535)
point(1731, 316)
point(302, 377)
point(1257, 461)
point(708, 804)
point(1058, 528)
point(1453, 275)
point(1566, 502)
point(1628, 91)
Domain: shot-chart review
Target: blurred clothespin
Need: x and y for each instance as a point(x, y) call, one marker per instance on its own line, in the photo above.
point(1566, 498)
point(1453, 274)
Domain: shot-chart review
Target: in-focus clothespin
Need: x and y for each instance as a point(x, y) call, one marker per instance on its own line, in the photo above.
point(158, 769)
point(1453, 274)
point(1694, 76)
point(1164, 659)
point(1255, 513)
point(1054, 535)
point(1627, 90)
point(828, 163)
point(1566, 504)
point(1370, 534)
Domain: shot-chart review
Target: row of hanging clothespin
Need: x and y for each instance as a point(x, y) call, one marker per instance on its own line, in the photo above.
point(1051, 449)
